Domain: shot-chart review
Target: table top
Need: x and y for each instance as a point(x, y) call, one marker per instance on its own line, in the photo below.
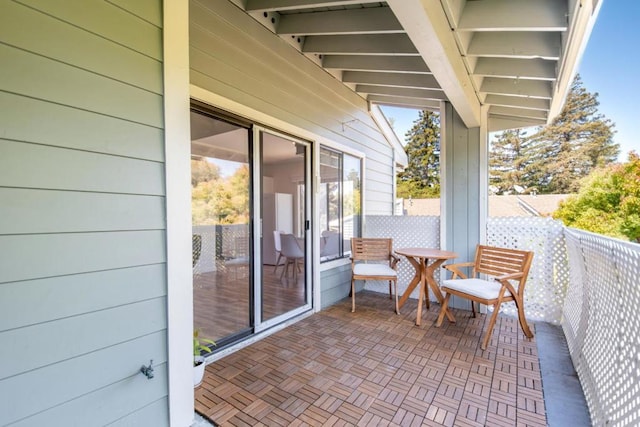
point(429, 253)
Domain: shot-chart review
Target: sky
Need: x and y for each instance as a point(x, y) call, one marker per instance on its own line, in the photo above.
point(608, 67)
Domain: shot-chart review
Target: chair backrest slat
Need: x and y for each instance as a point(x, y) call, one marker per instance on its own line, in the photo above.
point(500, 261)
point(371, 249)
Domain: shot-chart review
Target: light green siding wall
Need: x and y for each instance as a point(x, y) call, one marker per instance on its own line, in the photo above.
point(82, 213)
point(234, 56)
point(336, 284)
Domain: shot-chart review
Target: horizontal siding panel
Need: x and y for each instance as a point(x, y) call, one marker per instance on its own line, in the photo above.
point(26, 257)
point(43, 78)
point(108, 21)
point(155, 414)
point(33, 347)
point(42, 389)
point(226, 21)
point(38, 166)
point(50, 211)
point(65, 296)
point(149, 10)
point(106, 405)
point(33, 31)
point(219, 29)
point(268, 88)
point(33, 120)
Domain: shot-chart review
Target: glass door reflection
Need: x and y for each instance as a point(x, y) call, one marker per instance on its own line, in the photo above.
point(220, 190)
point(284, 175)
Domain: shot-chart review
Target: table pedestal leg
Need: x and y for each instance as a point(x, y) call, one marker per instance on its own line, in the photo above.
point(414, 282)
point(429, 269)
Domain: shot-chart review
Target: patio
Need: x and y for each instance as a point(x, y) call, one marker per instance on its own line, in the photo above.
point(373, 367)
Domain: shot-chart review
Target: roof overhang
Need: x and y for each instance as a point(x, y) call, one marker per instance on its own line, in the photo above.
point(518, 57)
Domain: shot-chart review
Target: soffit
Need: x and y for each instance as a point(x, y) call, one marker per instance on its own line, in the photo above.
point(516, 56)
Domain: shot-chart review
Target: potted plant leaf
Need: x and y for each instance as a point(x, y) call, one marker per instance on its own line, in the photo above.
point(199, 347)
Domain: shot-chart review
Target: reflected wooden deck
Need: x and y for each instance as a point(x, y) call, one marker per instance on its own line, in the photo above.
point(221, 299)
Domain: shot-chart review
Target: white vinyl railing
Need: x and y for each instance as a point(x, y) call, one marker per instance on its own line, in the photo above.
point(548, 276)
point(602, 325)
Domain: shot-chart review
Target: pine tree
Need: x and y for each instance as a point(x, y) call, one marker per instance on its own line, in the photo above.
point(421, 177)
point(578, 140)
point(509, 162)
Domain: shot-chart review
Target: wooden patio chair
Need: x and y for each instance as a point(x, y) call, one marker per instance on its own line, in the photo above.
point(504, 266)
point(373, 259)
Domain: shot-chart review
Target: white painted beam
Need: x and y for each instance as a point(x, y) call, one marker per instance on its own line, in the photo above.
point(518, 101)
point(366, 44)
point(396, 64)
point(537, 69)
point(525, 88)
point(401, 91)
point(423, 81)
point(583, 18)
point(525, 45)
point(514, 15)
point(518, 112)
point(428, 27)
point(349, 21)
point(404, 102)
point(275, 5)
point(500, 123)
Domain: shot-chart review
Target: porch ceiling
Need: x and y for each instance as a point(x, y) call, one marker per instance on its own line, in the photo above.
point(515, 56)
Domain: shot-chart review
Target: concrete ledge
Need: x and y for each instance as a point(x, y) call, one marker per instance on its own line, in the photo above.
point(563, 395)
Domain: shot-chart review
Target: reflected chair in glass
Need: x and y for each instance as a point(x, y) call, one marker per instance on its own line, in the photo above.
point(293, 253)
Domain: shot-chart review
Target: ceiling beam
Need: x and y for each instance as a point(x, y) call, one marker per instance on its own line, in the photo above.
point(537, 69)
point(404, 102)
point(349, 21)
point(428, 27)
point(421, 81)
point(514, 15)
point(584, 17)
point(518, 112)
point(526, 88)
point(396, 64)
point(366, 44)
point(522, 45)
point(276, 5)
point(401, 91)
point(518, 101)
point(499, 123)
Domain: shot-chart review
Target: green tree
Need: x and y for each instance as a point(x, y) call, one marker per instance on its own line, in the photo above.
point(578, 140)
point(421, 177)
point(608, 201)
point(509, 162)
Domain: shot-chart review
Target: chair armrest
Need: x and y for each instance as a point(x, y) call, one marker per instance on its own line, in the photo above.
point(393, 260)
point(508, 276)
point(455, 269)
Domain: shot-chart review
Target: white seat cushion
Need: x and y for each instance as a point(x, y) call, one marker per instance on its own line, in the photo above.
point(487, 289)
point(374, 270)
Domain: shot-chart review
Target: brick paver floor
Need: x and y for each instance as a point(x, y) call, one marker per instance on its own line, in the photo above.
point(373, 367)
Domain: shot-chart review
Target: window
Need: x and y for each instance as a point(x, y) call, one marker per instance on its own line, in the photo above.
point(340, 202)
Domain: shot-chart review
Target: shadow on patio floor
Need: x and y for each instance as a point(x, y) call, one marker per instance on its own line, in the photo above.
point(373, 367)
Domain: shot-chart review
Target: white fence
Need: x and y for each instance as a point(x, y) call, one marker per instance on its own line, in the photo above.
point(602, 325)
point(548, 277)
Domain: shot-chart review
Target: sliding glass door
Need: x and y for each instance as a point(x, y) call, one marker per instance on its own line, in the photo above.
point(222, 237)
point(251, 220)
point(285, 284)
